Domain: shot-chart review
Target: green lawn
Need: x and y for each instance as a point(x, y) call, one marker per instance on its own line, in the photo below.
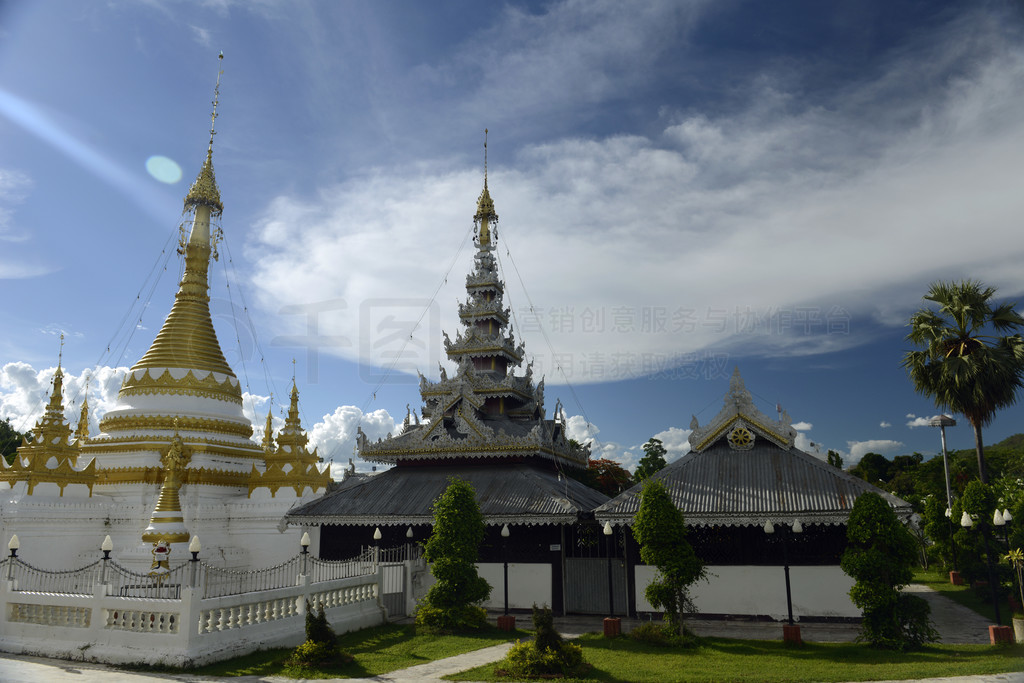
point(722, 659)
point(978, 600)
point(376, 650)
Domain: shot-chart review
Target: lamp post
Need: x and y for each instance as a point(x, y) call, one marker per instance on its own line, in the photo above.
point(505, 622)
point(612, 624)
point(194, 547)
point(13, 546)
point(1000, 519)
point(408, 544)
point(966, 522)
point(790, 632)
point(376, 545)
point(106, 547)
point(304, 542)
point(943, 421)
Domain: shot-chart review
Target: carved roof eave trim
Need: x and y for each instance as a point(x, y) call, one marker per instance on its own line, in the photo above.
point(416, 520)
point(837, 518)
point(393, 457)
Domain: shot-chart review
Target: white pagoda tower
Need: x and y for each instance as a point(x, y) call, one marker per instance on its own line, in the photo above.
point(175, 458)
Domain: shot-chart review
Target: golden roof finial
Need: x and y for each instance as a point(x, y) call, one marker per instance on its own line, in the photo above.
point(204, 190)
point(485, 216)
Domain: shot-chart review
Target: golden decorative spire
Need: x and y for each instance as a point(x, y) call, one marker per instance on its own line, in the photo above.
point(82, 432)
point(291, 464)
point(485, 216)
point(168, 522)
point(204, 190)
point(187, 339)
point(268, 430)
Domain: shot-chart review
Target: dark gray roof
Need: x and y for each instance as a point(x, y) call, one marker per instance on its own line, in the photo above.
point(507, 493)
point(723, 486)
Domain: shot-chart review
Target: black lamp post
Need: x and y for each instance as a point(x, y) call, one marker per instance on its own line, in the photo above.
point(1000, 519)
point(784, 532)
point(609, 532)
point(194, 547)
point(966, 522)
point(504, 557)
point(13, 546)
point(304, 541)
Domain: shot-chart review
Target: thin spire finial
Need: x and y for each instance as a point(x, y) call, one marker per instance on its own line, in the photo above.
point(216, 100)
point(485, 157)
point(60, 353)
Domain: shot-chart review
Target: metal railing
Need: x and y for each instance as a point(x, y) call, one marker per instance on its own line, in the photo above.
point(81, 581)
point(128, 584)
point(219, 582)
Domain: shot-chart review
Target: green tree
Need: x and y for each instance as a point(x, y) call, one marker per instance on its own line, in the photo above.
point(879, 556)
point(835, 459)
point(10, 439)
point(660, 531)
point(653, 460)
point(872, 468)
point(452, 549)
point(967, 362)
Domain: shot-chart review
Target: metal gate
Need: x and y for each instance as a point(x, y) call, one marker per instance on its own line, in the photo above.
point(586, 585)
point(393, 589)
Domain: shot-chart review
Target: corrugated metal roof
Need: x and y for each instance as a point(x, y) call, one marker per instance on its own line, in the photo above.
point(507, 493)
point(722, 486)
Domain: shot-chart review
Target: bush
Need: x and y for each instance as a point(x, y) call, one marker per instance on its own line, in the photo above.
point(317, 655)
point(452, 550)
point(317, 628)
point(547, 656)
point(879, 555)
point(525, 660)
point(431, 619)
point(662, 635)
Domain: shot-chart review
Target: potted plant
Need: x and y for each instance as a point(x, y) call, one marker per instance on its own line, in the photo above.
point(1016, 560)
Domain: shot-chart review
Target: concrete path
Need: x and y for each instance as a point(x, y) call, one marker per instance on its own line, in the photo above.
point(955, 624)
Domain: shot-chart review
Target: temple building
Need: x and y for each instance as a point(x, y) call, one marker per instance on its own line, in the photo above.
point(175, 457)
point(754, 505)
point(485, 424)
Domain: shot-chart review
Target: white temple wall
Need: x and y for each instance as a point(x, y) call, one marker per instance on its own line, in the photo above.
point(818, 591)
point(529, 584)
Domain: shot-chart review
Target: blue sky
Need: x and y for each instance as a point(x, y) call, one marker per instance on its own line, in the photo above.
point(684, 187)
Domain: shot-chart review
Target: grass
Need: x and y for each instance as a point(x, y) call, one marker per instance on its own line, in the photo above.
point(722, 659)
point(376, 650)
point(979, 600)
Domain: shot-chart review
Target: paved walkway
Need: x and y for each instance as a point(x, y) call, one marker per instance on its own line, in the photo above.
point(955, 624)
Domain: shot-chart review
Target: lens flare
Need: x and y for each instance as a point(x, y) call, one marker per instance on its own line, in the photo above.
point(163, 169)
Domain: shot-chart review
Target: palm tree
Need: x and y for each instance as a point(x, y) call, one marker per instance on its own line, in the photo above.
point(968, 363)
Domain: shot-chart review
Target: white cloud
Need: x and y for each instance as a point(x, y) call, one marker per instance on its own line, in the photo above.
point(859, 448)
point(920, 421)
point(25, 391)
point(676, 442)
point(878, 162)
point(14, 185)
point(334, 435)
point(885, 425)
point(202, 35)
point(802, 426)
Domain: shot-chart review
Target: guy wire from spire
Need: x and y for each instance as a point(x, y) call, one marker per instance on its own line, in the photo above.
point(543, 332)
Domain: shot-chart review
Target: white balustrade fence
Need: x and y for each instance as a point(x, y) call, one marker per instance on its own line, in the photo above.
point(192, 614)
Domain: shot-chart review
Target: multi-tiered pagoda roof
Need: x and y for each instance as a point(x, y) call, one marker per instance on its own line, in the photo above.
point(485, 423)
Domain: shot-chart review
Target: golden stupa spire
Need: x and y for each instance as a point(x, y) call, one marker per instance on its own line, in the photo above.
point(167, 523)
point(268, 430)
point(485, 216)
point(187, 339)
point(82, 432)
